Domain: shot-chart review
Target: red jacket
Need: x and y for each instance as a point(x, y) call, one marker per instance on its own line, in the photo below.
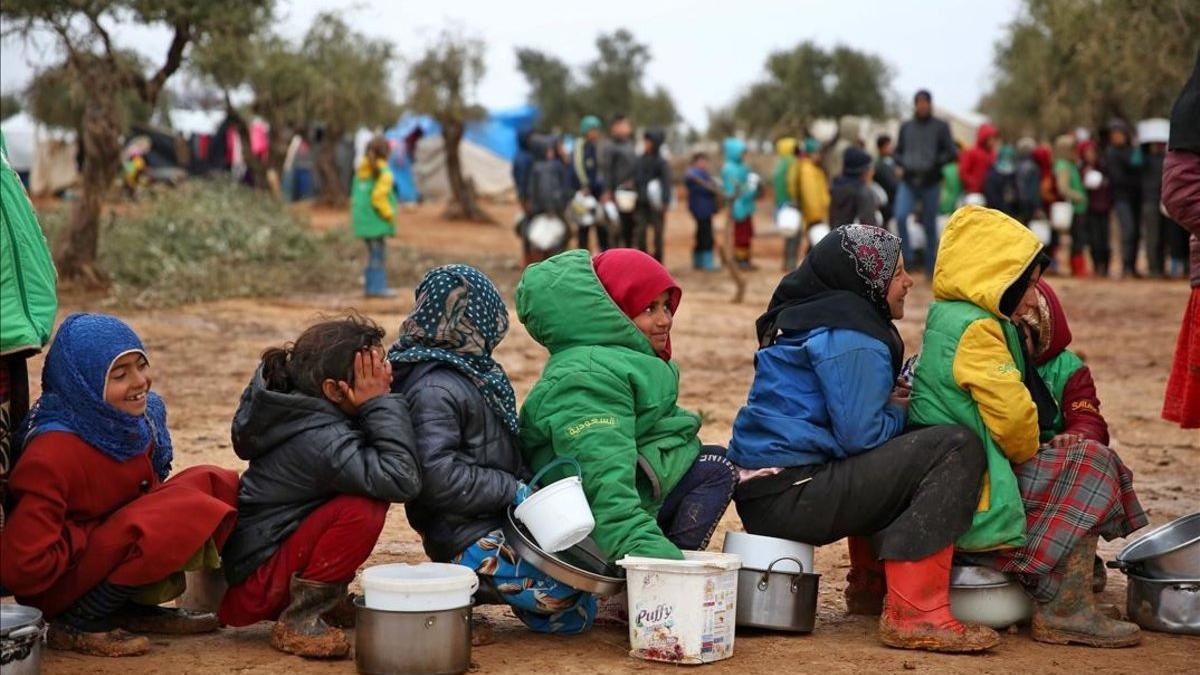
point(1181, 197)
point(82, 517)
point(974, 162)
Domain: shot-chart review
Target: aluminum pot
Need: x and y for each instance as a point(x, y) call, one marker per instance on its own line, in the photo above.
point(1171, 551)
point(581, 567)
point(421, 643)
point(985, 596)
point(1166, 605)
point(22, 632)
point(778, 600)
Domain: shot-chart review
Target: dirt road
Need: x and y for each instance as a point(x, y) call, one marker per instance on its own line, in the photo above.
point(204, 354)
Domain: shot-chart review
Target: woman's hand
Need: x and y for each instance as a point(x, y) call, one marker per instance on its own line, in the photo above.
point(372, 377)
point(1066, 440)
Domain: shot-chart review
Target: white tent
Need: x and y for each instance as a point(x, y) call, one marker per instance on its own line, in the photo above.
point(491, 174)
point(47, 153)
point(20, 133)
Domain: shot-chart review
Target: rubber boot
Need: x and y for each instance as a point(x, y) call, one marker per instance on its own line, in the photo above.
point(916, 612)
point(87, 626)
point(1099, 575)
point(697, 260)
point(1072, 617)
point(1078, 265)
point(300, 630)
point(865, 584)
point(709, 261)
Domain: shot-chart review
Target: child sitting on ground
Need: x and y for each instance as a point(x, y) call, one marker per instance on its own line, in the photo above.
point(99, 536)
point(607, 398)
point(329, 448)
point(465, 418)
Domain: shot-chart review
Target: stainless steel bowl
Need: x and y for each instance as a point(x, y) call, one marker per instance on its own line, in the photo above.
point(420, 643)
point(581, 567)
point(986, 596)
point(21, 634)
point(1166, 605)
point(1171, 551)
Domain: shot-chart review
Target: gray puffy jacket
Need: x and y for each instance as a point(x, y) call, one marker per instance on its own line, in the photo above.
point(470, 463)
point(304, 451)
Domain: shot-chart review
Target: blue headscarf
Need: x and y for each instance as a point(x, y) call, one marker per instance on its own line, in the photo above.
point(459, 318)
point(73, 381)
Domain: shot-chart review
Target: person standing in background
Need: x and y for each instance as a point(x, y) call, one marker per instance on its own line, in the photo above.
point(923, 148)
point(1155, 224)
point(786, 150)
point(586, 176)
point(812, 186)
point(974, 162)
point(373, 212)
point(653, 201)
point(618, 162)
point(886, 175)
point(1126, 186)
point(1099, 207)
point(1000, 186)
point(1029, 181)
point(702, 194)
point(740, 191)
point(1069, 184)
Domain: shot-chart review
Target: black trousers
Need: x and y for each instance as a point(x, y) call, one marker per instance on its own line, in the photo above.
point(649, 221)
point(626, 231)
point(601, 236)
point(1099, 235)
point(912, 496)
point(704, 235)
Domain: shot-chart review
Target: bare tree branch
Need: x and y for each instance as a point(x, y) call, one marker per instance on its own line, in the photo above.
point(149, 89)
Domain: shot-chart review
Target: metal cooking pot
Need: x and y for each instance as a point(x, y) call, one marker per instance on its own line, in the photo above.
point(1166, 605)
point(778, 600)
point(1171, 551)
point(986, 596)
point(581, 567)
point(21, 634)
point(421, 643)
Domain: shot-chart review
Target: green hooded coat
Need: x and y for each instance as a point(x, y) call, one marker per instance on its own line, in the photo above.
point(28, 300)
point(607, 400)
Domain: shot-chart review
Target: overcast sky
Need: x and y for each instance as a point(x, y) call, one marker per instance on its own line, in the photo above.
point(704, 53)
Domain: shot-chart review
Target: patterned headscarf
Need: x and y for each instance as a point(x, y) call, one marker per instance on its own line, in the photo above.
point(73, 382)
point(842, 283)
point(459, 319)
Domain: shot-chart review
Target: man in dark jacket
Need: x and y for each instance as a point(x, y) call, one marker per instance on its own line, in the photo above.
point(618, 162)
point(852, 200)
point(1125, 177)
point(586, 176)
point(923, 148)
point(651, 166)
point(886, 175)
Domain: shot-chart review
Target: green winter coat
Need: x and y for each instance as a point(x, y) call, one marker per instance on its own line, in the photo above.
point(1056, 373)
point(373, 201)
point(28, 301)
point(607, 400)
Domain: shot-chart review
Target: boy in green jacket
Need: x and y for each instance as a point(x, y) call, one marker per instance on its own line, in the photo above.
point(373, 214)
point(607, 398)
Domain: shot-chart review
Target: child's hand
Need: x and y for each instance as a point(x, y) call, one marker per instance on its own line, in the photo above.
point(1066, 440)
point(372, 377)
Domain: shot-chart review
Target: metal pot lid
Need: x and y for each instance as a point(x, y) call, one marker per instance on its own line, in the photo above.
point(13, 617)
point(974, 576)
point(1164, 539)
point(1165, 582)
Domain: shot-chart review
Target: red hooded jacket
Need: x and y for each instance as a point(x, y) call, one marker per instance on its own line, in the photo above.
point(974, 162)
point(1080, 405)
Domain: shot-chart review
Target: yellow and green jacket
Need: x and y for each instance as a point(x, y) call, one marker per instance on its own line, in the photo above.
point(971, 370)
point(373, 201)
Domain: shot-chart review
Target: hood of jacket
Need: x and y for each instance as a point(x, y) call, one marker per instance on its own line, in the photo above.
point(367, 170)
point(657, 137)
point(563, 305)
point(266, 419)
point(983, 252)
point(786, 147)
point(986, 132)
point(1054, 333)
point(735, 150)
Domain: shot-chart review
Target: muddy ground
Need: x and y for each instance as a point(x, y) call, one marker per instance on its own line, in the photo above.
point(203, 355)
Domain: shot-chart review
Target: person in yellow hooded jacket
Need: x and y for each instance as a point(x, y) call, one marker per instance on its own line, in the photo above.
point(809, 187)
point(1046, 496)
point(373, 213)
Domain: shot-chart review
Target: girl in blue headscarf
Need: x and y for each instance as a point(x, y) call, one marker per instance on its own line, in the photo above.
point(99, 536)
point(464, 416)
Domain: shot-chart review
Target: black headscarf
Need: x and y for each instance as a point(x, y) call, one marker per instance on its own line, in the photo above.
point(842, 283)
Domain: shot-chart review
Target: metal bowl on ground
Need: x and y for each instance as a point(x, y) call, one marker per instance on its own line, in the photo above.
point(22, 631)
point(985, 596)
point(1165, 605)
point(778, 600)
point(1171, 551)
point(421, 643)
point(581, 567)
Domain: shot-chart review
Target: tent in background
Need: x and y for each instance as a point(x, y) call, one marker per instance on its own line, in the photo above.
point(44, 155)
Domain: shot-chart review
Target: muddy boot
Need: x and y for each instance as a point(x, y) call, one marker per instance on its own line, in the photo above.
point(344, 615)
point(1099, 575)
point(1072, 616)
point(865, 583)
point(916, 612)
point(481, 631)
point(165, 620)
point(300, 629)
point(97, 642)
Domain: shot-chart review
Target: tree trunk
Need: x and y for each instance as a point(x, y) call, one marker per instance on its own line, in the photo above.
point(77, 251)
point(462, 205)
point(333, 192)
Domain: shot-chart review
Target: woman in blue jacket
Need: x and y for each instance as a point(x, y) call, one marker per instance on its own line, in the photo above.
point(822, 443)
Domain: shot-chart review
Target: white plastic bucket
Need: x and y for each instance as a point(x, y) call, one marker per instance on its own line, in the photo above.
point(626, 200)
point(916, 233)
point(654, 194)
point(1061, 214)
point(817, 232)
point(424, 587)
point(611, 213)
point(788, 220)
point(758, 552)
point(975, 199)
point(1041, 228)
point(1093, 179)
point(558, 515)
point(682, 611)
point(546, 232)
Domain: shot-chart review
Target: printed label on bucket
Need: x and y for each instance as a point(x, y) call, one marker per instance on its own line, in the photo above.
point(720, 611)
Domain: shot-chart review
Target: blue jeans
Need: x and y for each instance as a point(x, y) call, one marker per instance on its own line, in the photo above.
point(542, 603)
point(906, 199)
point(375, 274)
point(693, 508)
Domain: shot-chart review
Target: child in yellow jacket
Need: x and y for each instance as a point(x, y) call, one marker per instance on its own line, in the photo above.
point(373, 212)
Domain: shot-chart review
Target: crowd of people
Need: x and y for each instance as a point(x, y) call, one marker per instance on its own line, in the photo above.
point(988, 447)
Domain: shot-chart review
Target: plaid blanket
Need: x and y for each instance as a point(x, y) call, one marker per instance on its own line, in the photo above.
point(1068, 493)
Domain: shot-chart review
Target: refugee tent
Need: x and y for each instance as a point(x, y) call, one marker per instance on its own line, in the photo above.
point(487, 151)
point(46, 155)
